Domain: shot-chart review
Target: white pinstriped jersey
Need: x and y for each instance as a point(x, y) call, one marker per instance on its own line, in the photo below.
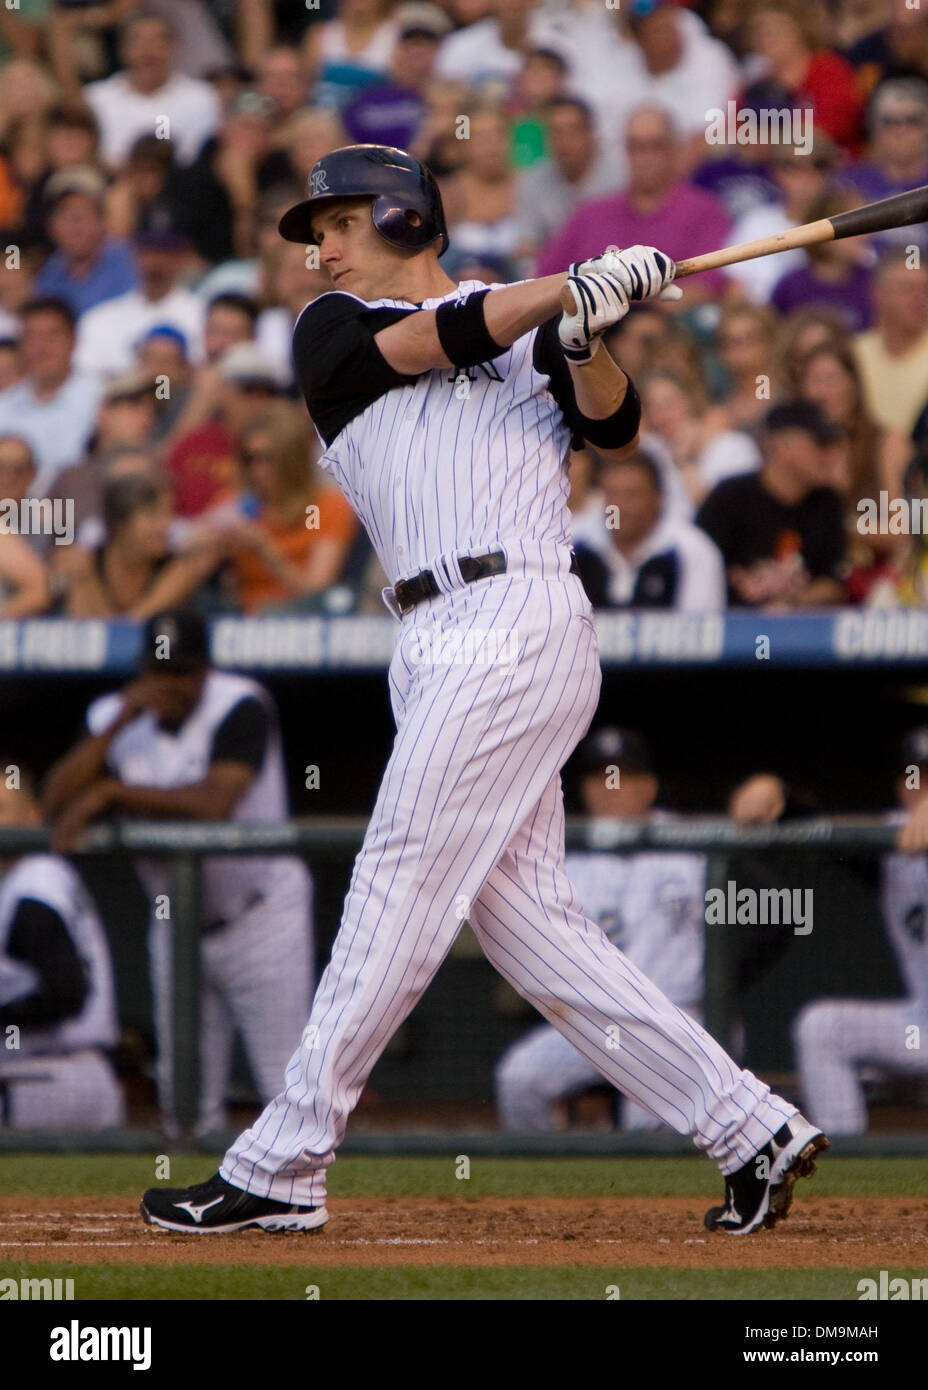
point(449, 461)
point(652, 907)
point(144, 754)
point(471, 805)
point(53, 881)
point(904, 900)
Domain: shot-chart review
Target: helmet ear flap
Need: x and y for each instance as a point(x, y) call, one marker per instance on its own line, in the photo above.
point(394, 225)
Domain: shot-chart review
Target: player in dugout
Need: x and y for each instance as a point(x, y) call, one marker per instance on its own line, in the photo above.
point(184, 741)
point(57, 1001)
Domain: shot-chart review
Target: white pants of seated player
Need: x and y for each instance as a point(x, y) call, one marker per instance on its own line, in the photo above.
point(76, 1090)
point(469, 822)
point(255, 980)
point(543, 1068)
point(835, 1039)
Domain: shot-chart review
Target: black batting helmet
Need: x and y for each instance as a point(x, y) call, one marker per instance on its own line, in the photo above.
point(397, 182)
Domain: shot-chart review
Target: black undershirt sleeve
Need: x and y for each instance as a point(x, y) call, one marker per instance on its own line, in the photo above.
point(548, 358)
point(243, 734)
point(611, 433)
point(340, 369)
point(39, 937)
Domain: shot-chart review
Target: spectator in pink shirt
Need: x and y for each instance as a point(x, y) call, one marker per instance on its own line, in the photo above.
point(658, 208)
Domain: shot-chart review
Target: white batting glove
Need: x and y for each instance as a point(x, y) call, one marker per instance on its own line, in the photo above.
point(645, 272)
point(601, 301)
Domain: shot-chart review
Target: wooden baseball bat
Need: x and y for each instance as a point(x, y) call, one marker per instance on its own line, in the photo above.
point(902, 210)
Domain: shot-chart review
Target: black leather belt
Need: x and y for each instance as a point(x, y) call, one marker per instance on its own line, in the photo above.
point(409, 592)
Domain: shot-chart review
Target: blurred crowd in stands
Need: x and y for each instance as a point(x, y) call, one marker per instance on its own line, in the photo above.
point(147, 150)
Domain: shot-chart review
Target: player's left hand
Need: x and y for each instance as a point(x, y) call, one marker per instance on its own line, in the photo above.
point(913, 836)
point(600, 301)
point(644, 272)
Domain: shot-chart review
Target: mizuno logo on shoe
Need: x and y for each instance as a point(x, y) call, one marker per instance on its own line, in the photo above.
point(197, 1211)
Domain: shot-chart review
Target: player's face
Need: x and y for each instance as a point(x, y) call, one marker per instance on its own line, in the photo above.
point(634, 796)
point(173, 698)
point(354, 253)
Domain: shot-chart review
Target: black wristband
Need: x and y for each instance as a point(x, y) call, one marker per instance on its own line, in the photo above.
point(617, 429)
point(462, 331)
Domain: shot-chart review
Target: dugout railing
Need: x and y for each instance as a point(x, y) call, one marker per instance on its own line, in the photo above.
point(318, 839)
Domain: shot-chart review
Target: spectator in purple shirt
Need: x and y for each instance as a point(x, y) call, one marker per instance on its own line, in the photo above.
point(658, 208)
point(839, 274)
point(897, 156)
point(87, 266)
point(393, 112)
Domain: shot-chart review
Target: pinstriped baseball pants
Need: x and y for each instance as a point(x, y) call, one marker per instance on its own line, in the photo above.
point(469, 823)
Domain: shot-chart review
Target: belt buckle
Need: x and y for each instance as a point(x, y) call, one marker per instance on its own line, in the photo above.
point(391, 603)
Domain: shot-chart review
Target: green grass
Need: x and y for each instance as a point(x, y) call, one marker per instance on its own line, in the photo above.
point(446, 1282)
point(124, 1176)
point(127, 1175)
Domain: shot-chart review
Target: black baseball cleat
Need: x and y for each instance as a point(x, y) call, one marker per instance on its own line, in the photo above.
point(761, 1192)
point(216, 1207)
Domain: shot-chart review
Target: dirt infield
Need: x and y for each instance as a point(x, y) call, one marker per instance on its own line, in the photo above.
point(485, 1231)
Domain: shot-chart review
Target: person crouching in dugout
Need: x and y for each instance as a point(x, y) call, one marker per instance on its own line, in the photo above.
point(57, 1002)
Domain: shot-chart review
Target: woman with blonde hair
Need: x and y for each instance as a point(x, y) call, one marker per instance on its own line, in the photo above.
point(288, 534)
point(135, 571)
point(704, 451)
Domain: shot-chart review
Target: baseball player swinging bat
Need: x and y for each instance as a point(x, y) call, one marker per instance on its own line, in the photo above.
point(903, 210)
point(463, 492)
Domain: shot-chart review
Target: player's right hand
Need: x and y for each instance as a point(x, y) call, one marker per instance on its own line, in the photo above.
point(758, 801)
point(643, 271)
point(600, 301)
